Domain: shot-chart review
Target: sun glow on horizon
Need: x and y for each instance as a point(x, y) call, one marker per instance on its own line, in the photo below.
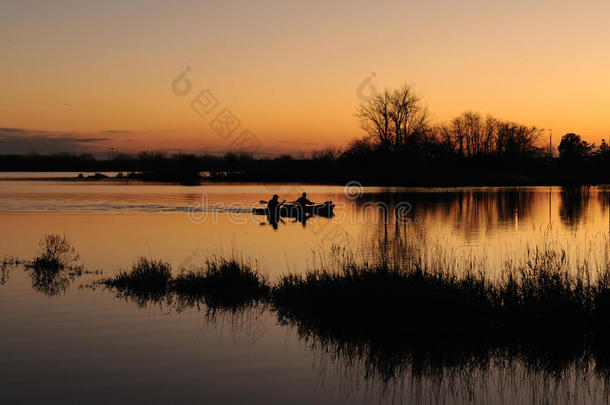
point(291, 73)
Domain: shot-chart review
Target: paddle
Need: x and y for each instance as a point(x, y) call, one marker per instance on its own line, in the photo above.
point(265, 202)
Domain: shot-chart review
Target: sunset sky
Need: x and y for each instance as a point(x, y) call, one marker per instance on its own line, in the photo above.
point(86, 76)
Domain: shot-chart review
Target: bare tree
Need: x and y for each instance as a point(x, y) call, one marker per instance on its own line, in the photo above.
point(490, 133)
point(410, 116)
point(515, 141)
point(398, 121)
point(375, 118)
point(394, 118)
point(469, 135)
point(473, 135)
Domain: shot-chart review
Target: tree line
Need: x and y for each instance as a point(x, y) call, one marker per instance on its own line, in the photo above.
point(397, 122)
point(401, 146)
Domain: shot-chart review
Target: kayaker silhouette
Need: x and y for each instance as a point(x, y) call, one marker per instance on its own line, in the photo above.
point(303, 201)
point(273, 210)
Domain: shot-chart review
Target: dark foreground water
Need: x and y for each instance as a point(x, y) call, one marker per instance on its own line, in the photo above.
point(62, 343)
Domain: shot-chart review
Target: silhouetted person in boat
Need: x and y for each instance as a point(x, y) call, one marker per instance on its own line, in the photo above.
point(274, 204)
point(273, 210)
point(303, 202)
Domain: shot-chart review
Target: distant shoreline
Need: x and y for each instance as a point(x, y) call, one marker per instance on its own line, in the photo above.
point(376, 170)
point(203, 181)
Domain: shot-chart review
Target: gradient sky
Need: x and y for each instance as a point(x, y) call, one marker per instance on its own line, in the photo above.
point(83, 75)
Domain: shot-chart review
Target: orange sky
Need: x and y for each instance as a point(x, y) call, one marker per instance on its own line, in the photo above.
point(290, 72)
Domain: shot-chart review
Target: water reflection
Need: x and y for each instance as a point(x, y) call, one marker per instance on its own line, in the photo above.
point(574, 205)
point(497, 378)
point(485, 216)
point(6, 265)
point(52, 282)
point(395, 336)
point(469, 212)
point(421, 367)
point(49, 281)
point(52, 271)
point(462, 217)
point(432, 370)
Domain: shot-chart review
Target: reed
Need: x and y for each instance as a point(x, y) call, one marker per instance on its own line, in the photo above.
point(228, 284)
point(222, 283)
point(145, 274)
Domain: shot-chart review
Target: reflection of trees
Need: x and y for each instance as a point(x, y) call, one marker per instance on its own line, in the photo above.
point(469, 211)
point(475, 211)
point(604, 197)
point(574, 204)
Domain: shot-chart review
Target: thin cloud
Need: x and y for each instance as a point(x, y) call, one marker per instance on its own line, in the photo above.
point(19, 141)
point(116, 131)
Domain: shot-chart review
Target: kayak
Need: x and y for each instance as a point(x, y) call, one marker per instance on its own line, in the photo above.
point(293, 210)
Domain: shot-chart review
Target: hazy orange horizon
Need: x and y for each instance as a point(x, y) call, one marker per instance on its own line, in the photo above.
point(99, 75)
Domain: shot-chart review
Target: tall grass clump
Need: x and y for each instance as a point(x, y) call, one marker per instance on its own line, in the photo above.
point(224, 278)
point(147, 281)
point(56, 253)
point(382, 305)
point(221, 283)
point(432, 317)
point(145, 273)
point(55, 267)
point(544, 297)
point(535, 299)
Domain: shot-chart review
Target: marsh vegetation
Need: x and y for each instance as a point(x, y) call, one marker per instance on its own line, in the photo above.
point(52, 271)
point(404, 309)
point(220, 283)
point(399, 310)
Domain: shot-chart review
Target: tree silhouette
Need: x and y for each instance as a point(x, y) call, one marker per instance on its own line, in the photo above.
point(470, 136)
point(604, 150)
point(394, 119)
point(572, 146)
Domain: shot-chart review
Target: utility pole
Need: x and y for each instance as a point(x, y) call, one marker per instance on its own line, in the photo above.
point(551, 143)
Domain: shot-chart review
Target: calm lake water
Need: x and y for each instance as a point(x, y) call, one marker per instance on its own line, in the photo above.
point(78, 345)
